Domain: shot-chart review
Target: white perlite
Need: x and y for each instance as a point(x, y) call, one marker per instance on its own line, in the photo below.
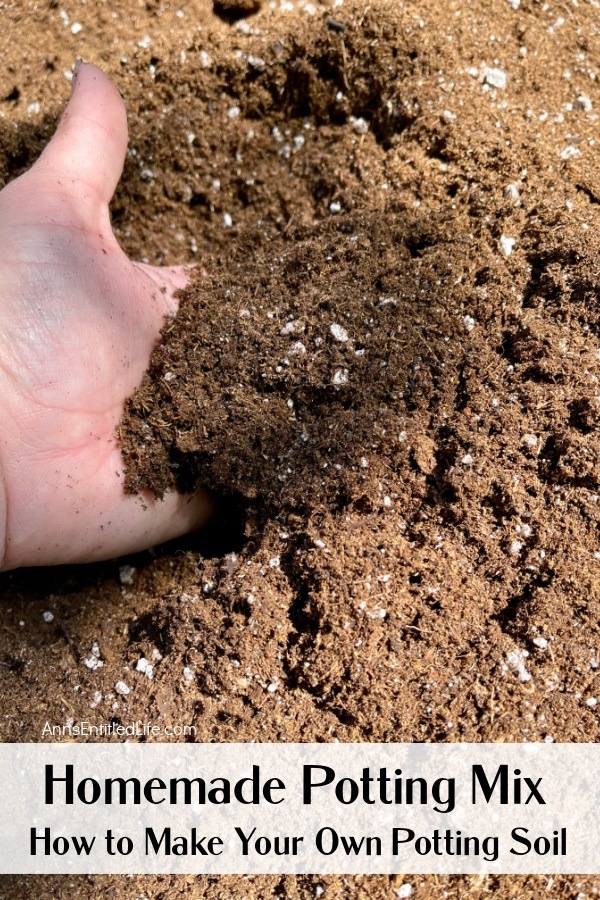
point(516, 663)
point(494, 77)
point(93, 661)
point(145, 667)
point(339, 333)
point(360, 125)
point(507, 244)
point(540, 642)
point(404, 891)
point(529, 441)
point(570, 152)
point(584, 103)
point(47, 616)
point(469, 322)
point(126, 574)
point(122, 688)
point(511, 192)
point(340, 376)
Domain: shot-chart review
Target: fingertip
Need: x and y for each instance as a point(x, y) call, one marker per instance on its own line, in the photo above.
point(196, 510)
point(89, 146)
point(85, 73)
point(174, 514)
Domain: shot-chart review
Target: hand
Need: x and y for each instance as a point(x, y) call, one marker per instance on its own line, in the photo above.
point(78, 321)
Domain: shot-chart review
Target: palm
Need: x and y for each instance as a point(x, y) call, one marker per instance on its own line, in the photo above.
point(79, 321)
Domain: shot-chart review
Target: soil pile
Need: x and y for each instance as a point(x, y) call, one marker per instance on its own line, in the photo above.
point(386, 365)
point(393, 360)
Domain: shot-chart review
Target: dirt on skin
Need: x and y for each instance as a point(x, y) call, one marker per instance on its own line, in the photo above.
point(387, 366)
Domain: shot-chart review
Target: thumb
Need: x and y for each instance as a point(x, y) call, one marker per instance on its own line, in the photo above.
point(86, 155)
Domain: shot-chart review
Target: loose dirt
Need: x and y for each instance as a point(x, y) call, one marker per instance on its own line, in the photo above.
point(386, 367)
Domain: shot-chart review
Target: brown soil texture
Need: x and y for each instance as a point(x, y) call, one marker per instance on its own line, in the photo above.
point(386, 367)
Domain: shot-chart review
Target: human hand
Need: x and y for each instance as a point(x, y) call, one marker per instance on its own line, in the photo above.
point(78, 323)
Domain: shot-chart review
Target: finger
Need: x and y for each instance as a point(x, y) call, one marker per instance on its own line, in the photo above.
point(134, 523)
point(86, 155)
point(99, 521)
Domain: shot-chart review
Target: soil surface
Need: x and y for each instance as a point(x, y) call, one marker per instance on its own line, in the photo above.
point(386, 366)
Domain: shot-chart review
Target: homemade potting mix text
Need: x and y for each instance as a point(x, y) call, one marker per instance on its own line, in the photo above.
point(320, 784)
